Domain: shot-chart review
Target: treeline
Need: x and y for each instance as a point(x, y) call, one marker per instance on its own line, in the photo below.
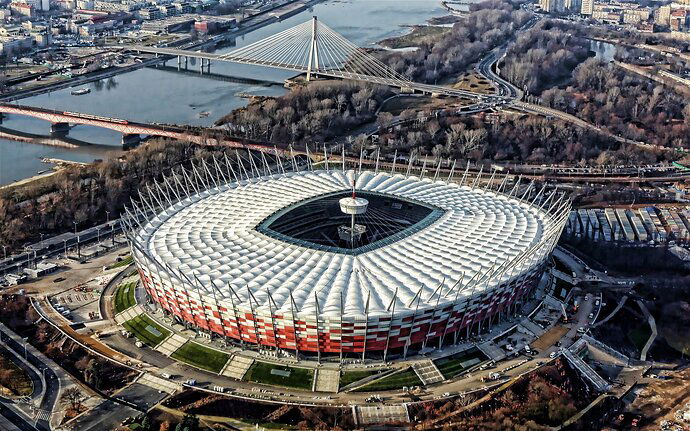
point(84, 194)
point(489, 24)
point(543, 56)
point(537, 401)
point(633, 107)
point(317, 112)
point(516, 139)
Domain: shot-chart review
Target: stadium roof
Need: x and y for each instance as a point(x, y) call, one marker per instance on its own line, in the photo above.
point(212, 237)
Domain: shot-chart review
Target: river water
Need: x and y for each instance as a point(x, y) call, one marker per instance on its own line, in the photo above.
point(154, 95)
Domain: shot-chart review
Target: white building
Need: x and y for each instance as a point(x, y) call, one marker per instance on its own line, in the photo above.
point(587, 7)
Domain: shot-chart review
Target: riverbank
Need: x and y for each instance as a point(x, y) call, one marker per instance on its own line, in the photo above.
point(248, 25)
point(418, 35)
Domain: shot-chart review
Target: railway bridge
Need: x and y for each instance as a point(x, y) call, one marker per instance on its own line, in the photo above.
point(131, 131)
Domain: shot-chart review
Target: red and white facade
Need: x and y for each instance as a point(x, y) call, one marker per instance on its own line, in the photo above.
point(201, 259)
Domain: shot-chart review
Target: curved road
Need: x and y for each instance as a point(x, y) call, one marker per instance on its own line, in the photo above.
point(52, 383)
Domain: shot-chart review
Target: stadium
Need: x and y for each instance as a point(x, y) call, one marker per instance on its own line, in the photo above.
point(341, 263)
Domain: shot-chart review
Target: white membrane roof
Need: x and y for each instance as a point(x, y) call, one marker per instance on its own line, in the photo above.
point(211, 237)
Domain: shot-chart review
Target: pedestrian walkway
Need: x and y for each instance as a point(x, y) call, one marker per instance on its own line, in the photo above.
point(652, 325)
point(158, 383)
point(42, 415)
point(532, 327)
point(327, 380)
point(586, 371)
point(237, 367)
point(129, 314)
point(427, 372)
point(171, 344)
point(492, 350)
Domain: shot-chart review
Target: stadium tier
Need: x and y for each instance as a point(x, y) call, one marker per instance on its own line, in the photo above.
point(274, 260)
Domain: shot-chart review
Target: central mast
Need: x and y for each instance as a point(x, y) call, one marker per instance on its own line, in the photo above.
point(352, 206)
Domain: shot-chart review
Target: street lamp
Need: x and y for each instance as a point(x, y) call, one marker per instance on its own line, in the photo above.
point(75, 226)
point(4, 251)
point(98, 234)
point(42, 234)
point(107, 216)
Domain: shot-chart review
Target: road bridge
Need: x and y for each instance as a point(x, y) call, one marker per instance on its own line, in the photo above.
point(315, 49)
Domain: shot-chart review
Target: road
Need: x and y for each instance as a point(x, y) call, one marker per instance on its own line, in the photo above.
point(52, 382)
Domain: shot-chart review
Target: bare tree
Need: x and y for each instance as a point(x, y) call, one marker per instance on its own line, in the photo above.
point(75, 397)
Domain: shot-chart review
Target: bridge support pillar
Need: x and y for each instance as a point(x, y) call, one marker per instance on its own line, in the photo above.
point(130, 141)
point(61, 129)
point(201, 67)
point(208, 67)
point(179, 62)
point(186, 62)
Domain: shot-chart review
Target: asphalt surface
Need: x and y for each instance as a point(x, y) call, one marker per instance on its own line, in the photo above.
point(51, 379)
point(106, 416)
point(111, 413)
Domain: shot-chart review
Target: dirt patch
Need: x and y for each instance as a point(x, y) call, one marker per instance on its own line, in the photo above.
point(549, 338)
point(660, 399)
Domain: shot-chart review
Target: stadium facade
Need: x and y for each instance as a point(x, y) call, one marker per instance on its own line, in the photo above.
point(262, 259)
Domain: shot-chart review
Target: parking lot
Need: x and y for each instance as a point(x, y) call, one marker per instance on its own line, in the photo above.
point(81, 303)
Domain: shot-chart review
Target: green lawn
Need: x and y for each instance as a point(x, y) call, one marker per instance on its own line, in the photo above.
point(458, 364)
point(290, 377)
point(124, 297)
point(146, 330)
point(200, 356)
point(395, 381)
point(124, 262)
point(348, 377)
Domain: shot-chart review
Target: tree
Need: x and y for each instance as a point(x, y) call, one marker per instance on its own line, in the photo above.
point(74, 397)
point(8, 380)
point(189, 423)
point(92, 373)
point(146, 424)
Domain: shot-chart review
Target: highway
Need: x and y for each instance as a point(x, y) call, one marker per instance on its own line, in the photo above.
point(51, 380)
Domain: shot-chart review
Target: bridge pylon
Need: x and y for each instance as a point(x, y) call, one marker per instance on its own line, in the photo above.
point(313, 65)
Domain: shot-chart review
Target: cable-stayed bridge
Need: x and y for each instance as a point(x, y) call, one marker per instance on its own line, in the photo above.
point(315, 49)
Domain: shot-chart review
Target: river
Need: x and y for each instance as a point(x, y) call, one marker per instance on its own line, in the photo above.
point(154, 95)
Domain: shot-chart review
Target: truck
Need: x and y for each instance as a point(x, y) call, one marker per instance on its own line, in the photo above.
point(491, 377)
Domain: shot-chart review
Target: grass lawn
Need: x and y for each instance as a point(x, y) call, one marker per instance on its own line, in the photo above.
point(348, 377)
point(640, 335)
point(146, 330)
point(290, 377)
point(124, 262)
point(200, 356)
point(124, 297)
point(16, 382)
point(395, 381)
point(458, 364)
